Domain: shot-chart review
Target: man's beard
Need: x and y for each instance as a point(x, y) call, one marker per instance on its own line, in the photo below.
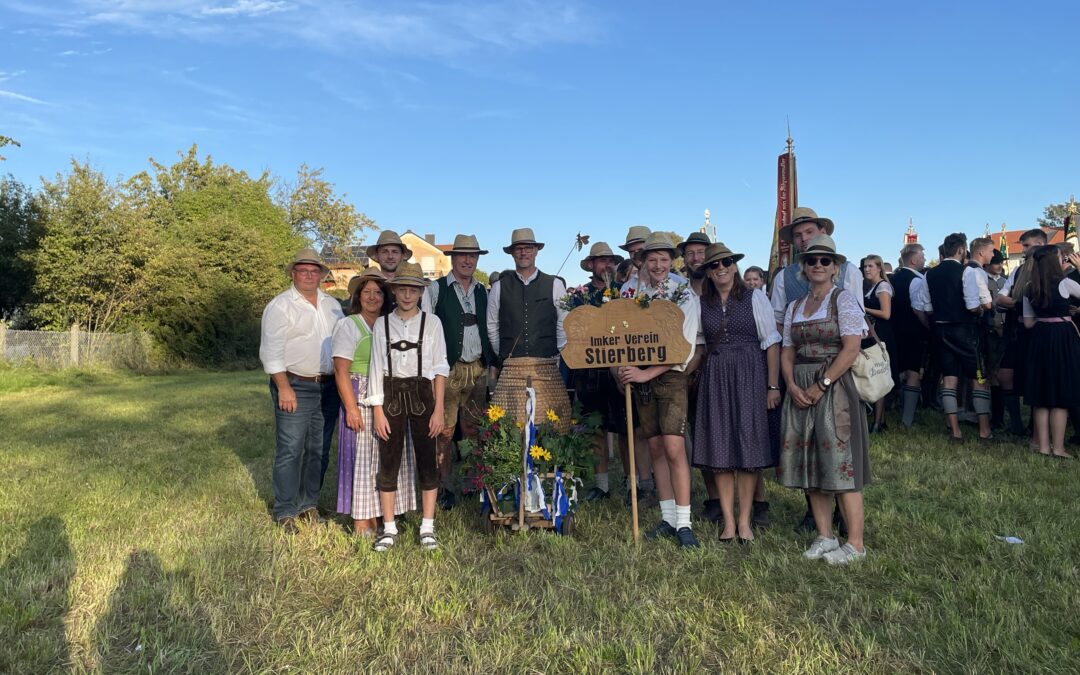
point(607, 279)
point(697, 273)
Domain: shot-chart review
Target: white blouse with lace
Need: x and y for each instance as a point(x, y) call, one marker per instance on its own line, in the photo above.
point(850, 316)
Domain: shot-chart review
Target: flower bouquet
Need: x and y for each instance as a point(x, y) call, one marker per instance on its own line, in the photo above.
point(493, 460)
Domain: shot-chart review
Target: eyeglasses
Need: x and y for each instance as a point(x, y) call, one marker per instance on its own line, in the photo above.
point(307, 272)
point(823, 260)
point(726, 262)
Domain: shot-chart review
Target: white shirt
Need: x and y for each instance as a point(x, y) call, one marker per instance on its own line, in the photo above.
point(1007, 288)
point(1066, 288)
point(471, 347)
point(764, 319)
point(919, 293)
point(881, 287)
point(295, 334)
point(976, 288)
point(347, 338)
point(689, 304)
point(405, 361)
point(849, 314)
point(852, 281)
point(558, 289)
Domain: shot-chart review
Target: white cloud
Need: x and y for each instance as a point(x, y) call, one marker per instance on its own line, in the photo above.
point(7, 75)
point(411, 27)
point(20, 97)
point(249, 8)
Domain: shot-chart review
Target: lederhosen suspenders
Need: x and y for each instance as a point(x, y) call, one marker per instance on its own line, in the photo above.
point(404, 391)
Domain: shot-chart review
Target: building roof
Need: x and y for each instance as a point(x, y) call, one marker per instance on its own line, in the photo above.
point(1012, 238)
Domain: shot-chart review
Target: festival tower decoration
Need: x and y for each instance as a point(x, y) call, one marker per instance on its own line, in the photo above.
point(787, 198)
point(911, 236)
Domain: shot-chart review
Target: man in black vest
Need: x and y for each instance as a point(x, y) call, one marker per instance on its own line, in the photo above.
point(955, 304)
point(911, 334)
point(523, 314)
point(460, 302)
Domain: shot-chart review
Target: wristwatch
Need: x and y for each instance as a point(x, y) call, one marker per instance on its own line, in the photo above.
point(772, 388)
point(824, 383)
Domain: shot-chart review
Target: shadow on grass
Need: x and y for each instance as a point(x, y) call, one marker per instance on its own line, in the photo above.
point(151, 626)
point(34, 600)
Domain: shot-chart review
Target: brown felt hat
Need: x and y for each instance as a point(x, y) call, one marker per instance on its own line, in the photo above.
point(804, 214)
point(599, 250)
point(466, 243)
point(635, 234)
point(822, 244)
point(388, 238)
point(656, 241)
point(368, 273)
point(307, 256)
point(523, 235)
point(719, 251)
point(694, 238)
point(409, 274)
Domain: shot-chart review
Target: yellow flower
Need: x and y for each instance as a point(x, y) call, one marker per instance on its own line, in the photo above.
point(495, 413)
point(552, 416)
point(574, 422)
point(538, 453)
point(607, 292)
point(519, 425)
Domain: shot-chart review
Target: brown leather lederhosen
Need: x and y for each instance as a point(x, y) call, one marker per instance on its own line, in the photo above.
point(408, 404)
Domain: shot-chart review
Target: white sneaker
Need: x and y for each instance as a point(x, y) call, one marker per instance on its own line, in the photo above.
point(844, 555)
point(820, 547)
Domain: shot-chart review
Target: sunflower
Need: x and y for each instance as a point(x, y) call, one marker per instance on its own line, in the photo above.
point(495, 413)
point(552, 417)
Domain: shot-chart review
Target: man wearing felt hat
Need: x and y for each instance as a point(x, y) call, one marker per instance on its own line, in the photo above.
point(524, 316)
point(406, 389)
point(295, 350)
point(635, 239)
point(692, 250)
point(389, 251)
point(460, 302)
point(789, 285)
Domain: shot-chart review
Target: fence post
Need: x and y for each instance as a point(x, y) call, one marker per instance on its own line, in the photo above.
point(74, 344)
point(3, 341)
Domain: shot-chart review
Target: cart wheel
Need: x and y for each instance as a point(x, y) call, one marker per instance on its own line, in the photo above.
point(569, 527)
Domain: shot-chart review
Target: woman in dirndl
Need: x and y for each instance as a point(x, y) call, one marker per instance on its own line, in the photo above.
point(825, 440)
point(358, 453)
point(878, 302)
point(739, 385)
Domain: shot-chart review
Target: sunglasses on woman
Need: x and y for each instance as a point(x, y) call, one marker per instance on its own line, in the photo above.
point(726, 262)
point(823, 260)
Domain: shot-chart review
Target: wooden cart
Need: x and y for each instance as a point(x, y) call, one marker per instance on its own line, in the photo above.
point(522, 520)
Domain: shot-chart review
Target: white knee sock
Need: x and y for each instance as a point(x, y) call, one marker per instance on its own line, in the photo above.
point(682, 516)
point(427, 525)
point(667, 511)
point(389, 526)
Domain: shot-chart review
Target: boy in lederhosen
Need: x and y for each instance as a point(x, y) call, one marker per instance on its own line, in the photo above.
point(408, 376)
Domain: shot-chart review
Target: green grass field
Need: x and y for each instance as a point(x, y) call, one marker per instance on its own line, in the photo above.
point(134, 537)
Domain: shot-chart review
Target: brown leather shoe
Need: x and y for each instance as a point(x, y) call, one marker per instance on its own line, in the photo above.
point(288, 525)
point(311, 516)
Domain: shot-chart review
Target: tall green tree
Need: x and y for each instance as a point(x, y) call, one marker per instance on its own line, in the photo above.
point(221, 245)
point(1053, 216)
point(317, 213)
point(89, 261)
point(20, 231)
point(5, 141)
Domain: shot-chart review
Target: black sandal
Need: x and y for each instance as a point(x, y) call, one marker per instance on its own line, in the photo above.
point(384, 542)
point(428, 541)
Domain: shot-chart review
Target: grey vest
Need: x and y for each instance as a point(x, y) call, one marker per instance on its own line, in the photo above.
point(527, 317)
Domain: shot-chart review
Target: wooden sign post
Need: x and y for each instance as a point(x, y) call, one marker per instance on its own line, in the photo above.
point(623, 333)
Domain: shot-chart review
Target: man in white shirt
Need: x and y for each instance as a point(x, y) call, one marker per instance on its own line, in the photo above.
point(406, 390)
point(295, 351)
point(956, 302)
point(660, 392)
point(524, 316)
point(788, 286)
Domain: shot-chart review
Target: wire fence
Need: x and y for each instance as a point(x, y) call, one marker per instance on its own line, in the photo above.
point(74, 347)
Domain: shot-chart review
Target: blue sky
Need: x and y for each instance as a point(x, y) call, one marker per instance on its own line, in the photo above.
point(571, 116)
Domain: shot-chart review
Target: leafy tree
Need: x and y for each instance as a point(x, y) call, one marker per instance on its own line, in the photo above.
point(481, 276)
point(1053, 216)
point(315, 212)
point(222, 244)
point(20, 230)
point(8, 140)
point(88, 265)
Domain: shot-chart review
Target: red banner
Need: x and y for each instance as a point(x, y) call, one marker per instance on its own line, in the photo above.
point(787, 198)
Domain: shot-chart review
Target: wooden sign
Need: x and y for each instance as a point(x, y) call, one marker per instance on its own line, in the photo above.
point(623, 333)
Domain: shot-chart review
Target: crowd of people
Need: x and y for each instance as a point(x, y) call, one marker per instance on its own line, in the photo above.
point(407, 368)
